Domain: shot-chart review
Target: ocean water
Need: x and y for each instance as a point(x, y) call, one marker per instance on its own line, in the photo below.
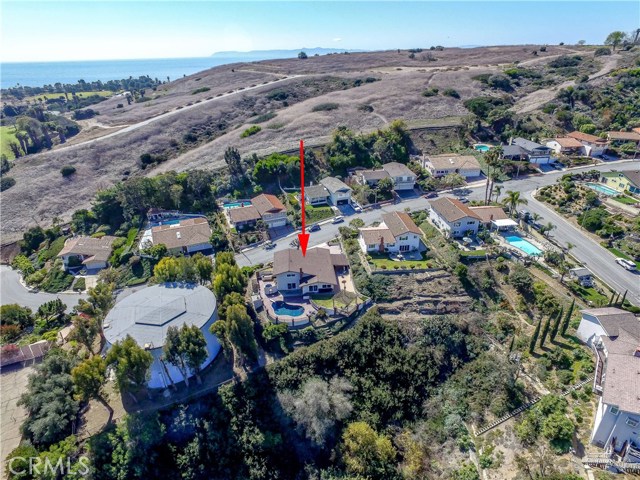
point(37, 74)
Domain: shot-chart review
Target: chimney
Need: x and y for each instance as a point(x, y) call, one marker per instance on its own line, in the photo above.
point(301, 271)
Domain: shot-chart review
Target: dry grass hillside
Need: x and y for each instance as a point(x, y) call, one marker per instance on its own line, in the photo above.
point(192, 130)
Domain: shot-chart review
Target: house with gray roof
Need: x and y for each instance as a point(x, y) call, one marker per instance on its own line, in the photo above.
point(582, 275)
point(527, 150)
point(339, 192)
point(616, 345)
point(316, 195)
point(402, 176)
point(187, 236)
point(92, 253)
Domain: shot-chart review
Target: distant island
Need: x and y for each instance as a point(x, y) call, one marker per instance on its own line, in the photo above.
point(266, 54)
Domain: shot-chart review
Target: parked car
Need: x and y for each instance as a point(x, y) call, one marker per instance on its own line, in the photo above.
point(269, 245)
point(463, 200)
point(626, 264)
point(525, 215)
point(430, 195)
point(314, 228)
point(338, 219)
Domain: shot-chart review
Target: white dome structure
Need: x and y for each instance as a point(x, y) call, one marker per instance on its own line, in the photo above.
point(147, 314)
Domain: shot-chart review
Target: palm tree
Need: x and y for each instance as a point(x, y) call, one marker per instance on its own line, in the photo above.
point(547, 228)
point(570, 246)
point(494, 164)
point(498, 192)
point(513, 200)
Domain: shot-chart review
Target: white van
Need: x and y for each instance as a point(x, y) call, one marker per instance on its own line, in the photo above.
point(626, 264)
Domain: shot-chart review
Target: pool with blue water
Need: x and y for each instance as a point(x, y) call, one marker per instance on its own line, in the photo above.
point(521, 244)
point(283, 308)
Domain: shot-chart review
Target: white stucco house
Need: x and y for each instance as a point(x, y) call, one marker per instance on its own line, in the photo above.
point(339, 192)
point(317, 272)
point(447, 163)
point(397, 233)
point(316, 195)
point(593, 146)
point(92, 253)
point(566, 146)
point(453, 218)
point(272, 212)
point(614, 336)
point(522, 149)
point(146, 316)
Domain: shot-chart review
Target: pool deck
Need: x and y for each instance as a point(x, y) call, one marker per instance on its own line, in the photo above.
point(298, 301)
point(524, 236)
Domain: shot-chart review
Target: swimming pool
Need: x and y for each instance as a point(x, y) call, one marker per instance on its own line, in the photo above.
point(522, 244)
point(482, 148)
point(283, 308)
point(235, 204)
point(603, 189)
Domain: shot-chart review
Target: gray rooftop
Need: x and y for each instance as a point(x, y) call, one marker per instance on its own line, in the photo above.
point(528, 144)
point(315, 191)
point(334, 184)
point(147, 314)
point(513, 151)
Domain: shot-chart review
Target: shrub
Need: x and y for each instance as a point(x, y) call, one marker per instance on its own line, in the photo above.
point(601, 51)
point(67, 170)
point(450, 92)
point(250, 131)
point(79, 285)
point(365, 108)
point(200, 90)
point(265, 117)
point(6, 183)
point(325, 107)
point(430, 92)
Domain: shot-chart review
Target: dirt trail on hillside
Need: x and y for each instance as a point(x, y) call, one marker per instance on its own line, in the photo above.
point(536, 99)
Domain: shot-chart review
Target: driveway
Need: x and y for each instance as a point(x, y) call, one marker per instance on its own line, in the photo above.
point(599, 260)
point(13, 383)
point(12, 291)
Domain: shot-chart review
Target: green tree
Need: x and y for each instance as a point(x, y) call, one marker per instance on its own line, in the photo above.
point(85, 329)
point(131, 364)
point(556, 325)
point(534, 338)
point(545, 331)
point(559, 430)
point(302, 56)
point(513, 200)
point(89, 378)
point(356, 223)
point(167, 270)
point(14, 314)
point(49, 401)
point(228, 279)
point(384, 187)
point(239, 331)
point(174, 353)
point(99, 300)
point(194, 346)
point(367, 453)
point(204, 268)
point(615, 38)
point(157, 250)
point(520, 278)
point(567, 318)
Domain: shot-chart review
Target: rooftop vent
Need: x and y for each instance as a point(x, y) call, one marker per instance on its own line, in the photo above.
point(178, 235)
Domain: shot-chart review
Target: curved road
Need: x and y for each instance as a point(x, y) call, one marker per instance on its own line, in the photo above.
point(599, 260)
point(12, 291)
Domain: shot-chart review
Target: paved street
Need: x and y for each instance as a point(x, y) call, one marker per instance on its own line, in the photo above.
point(12, 291)
point(596, 258)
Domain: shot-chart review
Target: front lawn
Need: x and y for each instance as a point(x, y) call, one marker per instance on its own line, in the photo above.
point(626, 200)
point(588, 294)
point(473, 253)
point(340, 300)
point(315, 214)
point(383, 262)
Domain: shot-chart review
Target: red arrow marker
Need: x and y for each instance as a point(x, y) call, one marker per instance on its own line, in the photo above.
point(303, 237)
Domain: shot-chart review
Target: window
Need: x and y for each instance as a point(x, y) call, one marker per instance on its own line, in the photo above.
point(404, 238)
point(289, 275)
point(291, 286)
point(457, 224)
point(313, 288)
point(471, 223)
point(614, 410)
point(632, 422)
point(371, 247)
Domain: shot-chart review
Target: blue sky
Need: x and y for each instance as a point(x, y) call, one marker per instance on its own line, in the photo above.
point(87, 30)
